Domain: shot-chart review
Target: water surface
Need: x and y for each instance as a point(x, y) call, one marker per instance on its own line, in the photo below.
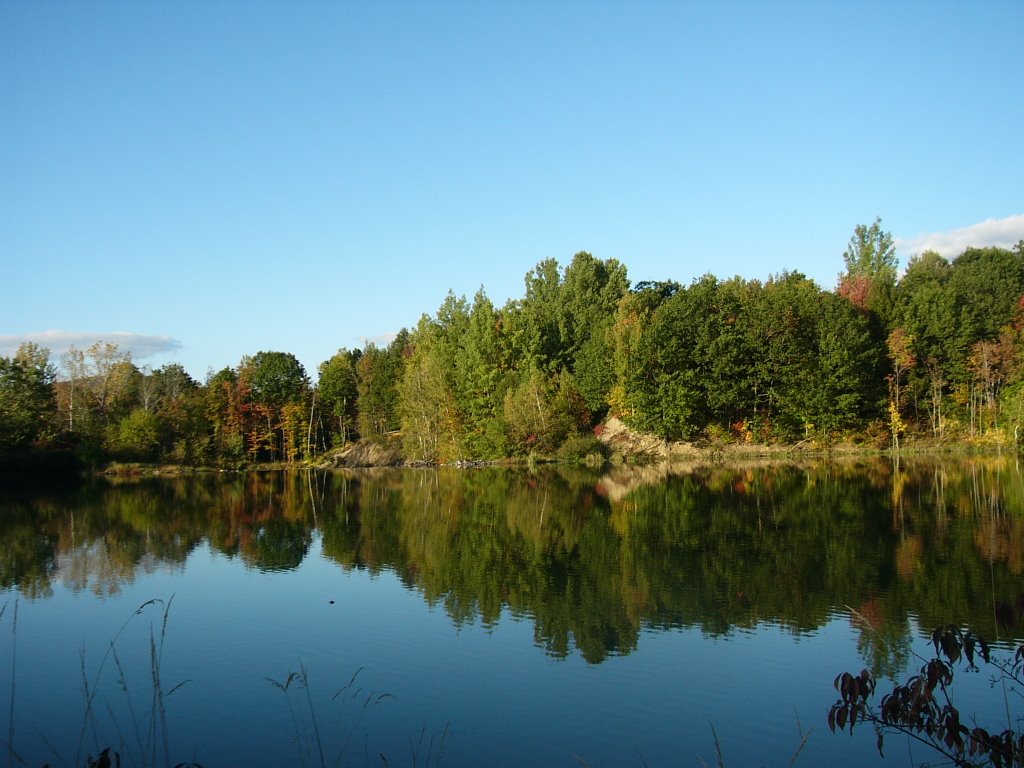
point(494, 616)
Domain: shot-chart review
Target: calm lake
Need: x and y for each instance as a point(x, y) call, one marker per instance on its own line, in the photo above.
point(494, 616)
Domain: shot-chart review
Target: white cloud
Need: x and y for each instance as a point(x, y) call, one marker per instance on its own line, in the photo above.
point(140, 345)
point(381, 340)
point(1003, 233)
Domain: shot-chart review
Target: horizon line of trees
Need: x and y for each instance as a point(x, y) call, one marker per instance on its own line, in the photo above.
point(935, 352)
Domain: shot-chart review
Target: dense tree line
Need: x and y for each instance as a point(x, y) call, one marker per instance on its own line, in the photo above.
point(936, 353)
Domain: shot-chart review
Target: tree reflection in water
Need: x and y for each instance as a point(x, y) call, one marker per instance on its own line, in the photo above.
point(592, 560)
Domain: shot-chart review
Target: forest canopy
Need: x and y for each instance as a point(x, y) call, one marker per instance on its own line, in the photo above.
point(933, 354)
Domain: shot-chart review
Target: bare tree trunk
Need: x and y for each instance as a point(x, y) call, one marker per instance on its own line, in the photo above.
point(309, 432)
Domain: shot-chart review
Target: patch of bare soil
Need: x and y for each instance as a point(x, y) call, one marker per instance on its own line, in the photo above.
point(640, 459)
point(365, 453)
point(627, 442)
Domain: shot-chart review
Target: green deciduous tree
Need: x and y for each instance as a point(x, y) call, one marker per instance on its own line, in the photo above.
point(378, 372)
point(632, 318)
point(27, 403)
point(451, 388)
point(845, 392)
point(275, 378)
point(337, 392)
point(541, 411)
point(871, 252)
point(564, 322)
point(869, 281)
point(591, 291)
point(227, 409)
point(481, 369)
point(963, 317)
point(277, 386)
point(539, 335)
point(136, 436)
point(779, 360)
point(987, 284)
point(427, 407)
point(101, 388)
point(172, 382)
point(926, 309)
point(667, 381)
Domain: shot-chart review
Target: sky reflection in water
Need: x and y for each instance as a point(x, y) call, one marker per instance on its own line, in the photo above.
point(618, 627)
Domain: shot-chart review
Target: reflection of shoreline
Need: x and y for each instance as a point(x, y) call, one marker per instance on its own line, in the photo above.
point(620, 481)
point(94, 567)
point(718, 545)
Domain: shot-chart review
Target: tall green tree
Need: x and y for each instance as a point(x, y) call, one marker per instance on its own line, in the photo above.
point(430, 416)
point(101, 388)
point(961, 317)
point(480, 375)
point(277, 385)
point(337, 393)
point(872, 253)
point(986, 286)
point(668, 380)
point(538, 335)
point(227, 408)
point(186, 431)
point(591, 291)
point(869, 281)
point(632, 318)
point(27, 403)
point(378, 372)
point(542, 410)
point(454, 378)
point(846, 391)
point(565, 319)
point(926, 309)
point(727, 346)
point(276, 378)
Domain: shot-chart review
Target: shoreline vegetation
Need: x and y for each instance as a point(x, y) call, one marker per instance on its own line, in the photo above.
point(618, 447)
point(584, 367)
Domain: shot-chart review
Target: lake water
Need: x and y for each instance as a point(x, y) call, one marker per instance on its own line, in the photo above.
point(494, 616)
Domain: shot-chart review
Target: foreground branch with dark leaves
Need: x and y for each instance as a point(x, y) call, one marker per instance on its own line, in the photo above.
point(922, 709)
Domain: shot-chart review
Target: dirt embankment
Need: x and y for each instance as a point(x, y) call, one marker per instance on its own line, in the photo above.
point(628, 443)
point(624, 446)
point(639, 459)
point(365, 453)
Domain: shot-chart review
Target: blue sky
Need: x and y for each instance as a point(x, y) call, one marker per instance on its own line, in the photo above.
point(198, 181)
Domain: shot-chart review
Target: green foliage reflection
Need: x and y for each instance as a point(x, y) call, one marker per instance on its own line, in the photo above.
point(591, 560)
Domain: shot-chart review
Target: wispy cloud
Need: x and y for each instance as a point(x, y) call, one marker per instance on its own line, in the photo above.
point(1003, 233)
point(139, 344)
point(381, 340)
